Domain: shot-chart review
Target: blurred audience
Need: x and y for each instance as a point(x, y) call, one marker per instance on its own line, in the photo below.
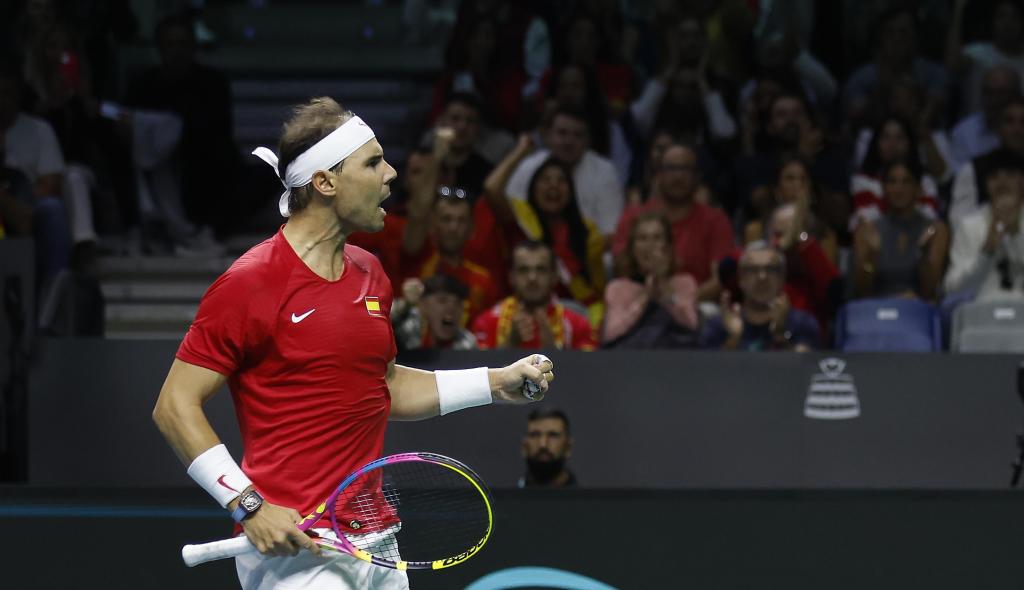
point(1003, 47)
point(969, 187)
point(977, 133)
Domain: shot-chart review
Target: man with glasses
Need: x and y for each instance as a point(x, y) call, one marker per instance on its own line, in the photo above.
point(764, 320)
point(701, 234)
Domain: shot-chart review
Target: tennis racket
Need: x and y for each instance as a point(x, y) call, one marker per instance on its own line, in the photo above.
point(408, 511)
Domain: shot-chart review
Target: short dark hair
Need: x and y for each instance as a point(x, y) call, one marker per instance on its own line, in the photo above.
point(442, 283)
point(535, 245)
point(542, 413)
point(468, 99)
point(1003, 159)
point(309, 123)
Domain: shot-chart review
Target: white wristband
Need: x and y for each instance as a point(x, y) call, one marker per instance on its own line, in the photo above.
point(458, 390)
point(219, 475)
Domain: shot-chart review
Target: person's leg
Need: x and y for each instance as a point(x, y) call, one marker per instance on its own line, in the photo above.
point(52, 237)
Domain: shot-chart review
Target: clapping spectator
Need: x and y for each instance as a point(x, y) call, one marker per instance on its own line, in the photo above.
point(764, 320)
point(653, 306)
point(903, 252)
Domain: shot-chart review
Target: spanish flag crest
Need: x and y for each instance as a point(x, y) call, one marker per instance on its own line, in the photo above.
point(373, 306)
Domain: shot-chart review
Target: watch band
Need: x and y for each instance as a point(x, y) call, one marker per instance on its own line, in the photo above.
point(248, 504)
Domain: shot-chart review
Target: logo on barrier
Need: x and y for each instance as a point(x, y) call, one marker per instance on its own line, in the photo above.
point(832, 395)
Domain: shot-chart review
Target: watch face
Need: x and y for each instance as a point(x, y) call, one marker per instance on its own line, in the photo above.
point(251, 502)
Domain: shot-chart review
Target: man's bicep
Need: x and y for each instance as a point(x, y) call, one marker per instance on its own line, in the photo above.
point(191, 383)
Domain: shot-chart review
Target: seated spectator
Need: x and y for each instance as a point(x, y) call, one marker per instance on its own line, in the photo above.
point(547, 446)
point(893, 140)
point(977, 133)
point(1004, 47)
point(904, 99)
point(986, 261)
point(599, 190)
point(448, 225)
point(782, 54)
point(812, 280)
point(701, 235)
point(653, 306)
point(795, 186)
point(969, 187)
point(201, 97)
point(533, 318)
point(429, 315)
point(903, 252)
point(30, 149)
point(896, 55)
point(765, 320)
point(585, 43)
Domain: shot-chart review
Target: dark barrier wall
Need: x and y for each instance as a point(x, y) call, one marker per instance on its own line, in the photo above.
point(640, 419)
point(649, 540)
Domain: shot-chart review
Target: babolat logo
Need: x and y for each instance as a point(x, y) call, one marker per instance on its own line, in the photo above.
point(832, 395)
point(465, 554)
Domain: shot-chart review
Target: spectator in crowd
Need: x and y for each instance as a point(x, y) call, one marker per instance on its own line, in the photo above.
point(892, 140)
point(463, 166)
point(550, 214)
point(473, 64)
point(686, 98)
point(795, 186)
point(977, 133)
point(789, 130)
point(533, 318)
point(904, 99)
point(896, 56)
point(547, 446)
point(201, 96)
point(577, 87)
point(599, 190)
point(653, 306)
point(812, 280)
point(429, 315)
point(903, 252)
point(587, 44)
point(971, 63)
point(31, 150)
point(448, 223)
point(765, 320)
point(986, 260)
point(969, 187)
point(701, 235)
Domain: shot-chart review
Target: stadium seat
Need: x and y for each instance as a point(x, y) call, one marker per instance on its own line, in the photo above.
point(882, 325)
point(988, 327)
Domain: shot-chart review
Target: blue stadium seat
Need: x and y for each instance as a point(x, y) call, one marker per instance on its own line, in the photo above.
point(882, 325)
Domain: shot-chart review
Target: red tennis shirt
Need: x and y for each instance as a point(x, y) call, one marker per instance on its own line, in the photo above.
point(306, 360)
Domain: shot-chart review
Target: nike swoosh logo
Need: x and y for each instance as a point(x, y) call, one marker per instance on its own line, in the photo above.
point(298, 318)
point(220, 480)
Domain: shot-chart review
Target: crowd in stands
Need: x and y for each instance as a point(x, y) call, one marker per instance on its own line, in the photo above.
point(601, 174)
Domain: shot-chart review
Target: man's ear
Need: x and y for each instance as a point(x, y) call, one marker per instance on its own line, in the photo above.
point(325, 183)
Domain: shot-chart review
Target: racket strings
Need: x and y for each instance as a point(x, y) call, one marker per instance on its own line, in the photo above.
point(416, 511)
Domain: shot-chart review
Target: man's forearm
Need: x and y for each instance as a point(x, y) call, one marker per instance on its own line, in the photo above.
point(185, 427)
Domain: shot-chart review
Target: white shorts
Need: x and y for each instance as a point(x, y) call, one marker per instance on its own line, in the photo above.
point(330, 571)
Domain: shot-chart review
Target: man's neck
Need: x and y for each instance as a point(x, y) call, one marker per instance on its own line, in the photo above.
point(452, 259)
point(756, 315)
point(678, 209)
point(318, 238)
point(532, 307)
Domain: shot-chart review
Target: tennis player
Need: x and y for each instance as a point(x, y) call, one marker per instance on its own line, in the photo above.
point(299, 329)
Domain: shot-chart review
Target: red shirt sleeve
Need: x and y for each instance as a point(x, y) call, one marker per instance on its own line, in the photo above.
point(582, 332)
point(217, 338)
point(485, 329)
point(621, 237)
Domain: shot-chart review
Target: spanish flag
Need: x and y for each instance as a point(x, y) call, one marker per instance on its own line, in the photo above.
point(373, 306)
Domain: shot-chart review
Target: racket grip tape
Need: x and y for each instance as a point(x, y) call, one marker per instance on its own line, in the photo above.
point(194, 555)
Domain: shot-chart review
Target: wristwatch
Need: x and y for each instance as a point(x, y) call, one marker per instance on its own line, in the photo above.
point(248, 504)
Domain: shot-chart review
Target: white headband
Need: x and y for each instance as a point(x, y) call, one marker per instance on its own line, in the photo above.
point(324, 155)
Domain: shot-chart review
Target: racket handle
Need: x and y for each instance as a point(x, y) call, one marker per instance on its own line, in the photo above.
point(194, 555)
